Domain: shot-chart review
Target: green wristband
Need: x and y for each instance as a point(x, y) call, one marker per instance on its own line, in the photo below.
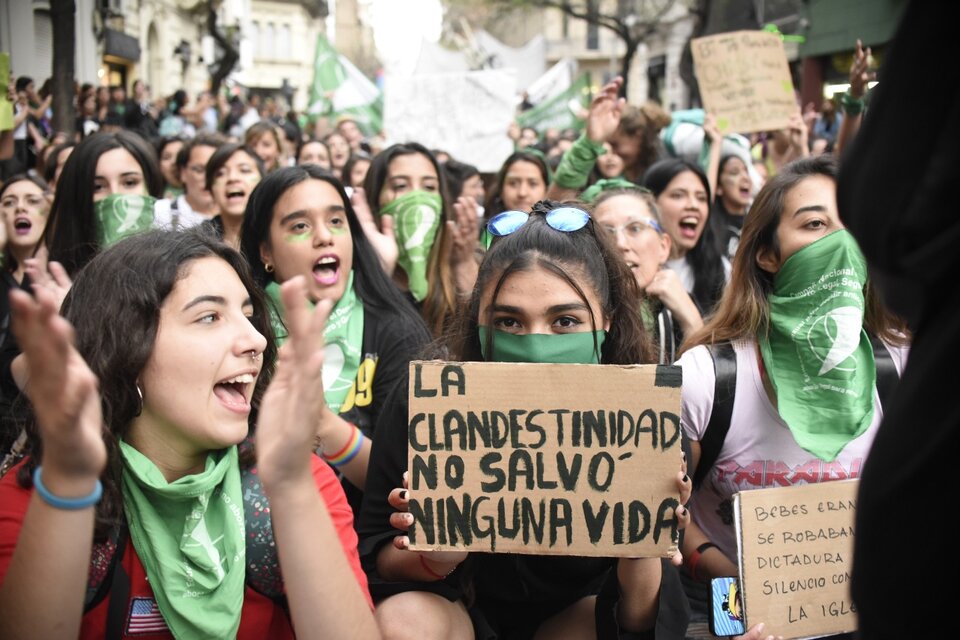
point(851, 106)
point(576, 164)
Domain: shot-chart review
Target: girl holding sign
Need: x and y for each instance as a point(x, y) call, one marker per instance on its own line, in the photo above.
point(434, 251)
point(551, 288)
point(809, 342)
point(299, 222)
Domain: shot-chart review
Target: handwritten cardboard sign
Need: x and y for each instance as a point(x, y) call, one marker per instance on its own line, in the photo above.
point(744, 80)
point(796, 552)
point(6, 107)
point(546, 459)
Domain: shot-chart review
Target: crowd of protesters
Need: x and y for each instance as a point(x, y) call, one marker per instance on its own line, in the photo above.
point(210, 304)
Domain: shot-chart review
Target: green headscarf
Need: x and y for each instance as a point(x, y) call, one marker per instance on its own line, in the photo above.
point(590, 193)
point(816, 352)
point(342, 341)
point(189, 536)
point(417, 216)
point(120, 215)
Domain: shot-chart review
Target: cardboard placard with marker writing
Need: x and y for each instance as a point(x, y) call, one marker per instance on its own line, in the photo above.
point(795, 555)
point(546, 459)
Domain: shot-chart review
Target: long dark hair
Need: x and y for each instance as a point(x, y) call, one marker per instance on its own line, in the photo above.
point(374, 288)
point(585, 253)
point(495, 199)
point(128, 283)
point(706, 257)
point(9, 260)
point(71, 233)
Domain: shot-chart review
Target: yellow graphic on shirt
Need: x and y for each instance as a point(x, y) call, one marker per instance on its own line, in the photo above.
point(361, 393)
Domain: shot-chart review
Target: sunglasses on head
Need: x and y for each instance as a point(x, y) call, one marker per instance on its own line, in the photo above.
point(566, 219)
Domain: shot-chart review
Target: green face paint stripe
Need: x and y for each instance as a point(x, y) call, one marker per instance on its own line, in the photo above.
point(297, 237)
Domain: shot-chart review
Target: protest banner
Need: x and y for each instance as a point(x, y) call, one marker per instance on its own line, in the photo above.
point(465, 114)
point(6, 107)
point(546, 459)
point(744, 80)
point(795, 555)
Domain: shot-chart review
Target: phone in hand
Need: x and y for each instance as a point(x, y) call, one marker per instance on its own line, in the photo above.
point(726, 607)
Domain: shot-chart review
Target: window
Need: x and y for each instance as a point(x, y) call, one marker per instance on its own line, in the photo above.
point(283, 42)
point(267, 50)
point(593, 31)
point(42, 41)
point(255, 38)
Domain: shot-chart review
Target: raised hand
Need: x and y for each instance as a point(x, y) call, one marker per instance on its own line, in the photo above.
point(606, 109)
point(294, 402)
point(62, 390)
point(464, 234)
point(50, 276)
point(383, 239)
point(860, 73)
point(402, 519)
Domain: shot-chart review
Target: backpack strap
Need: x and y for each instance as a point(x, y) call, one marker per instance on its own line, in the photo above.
point(724, 392)
point(887, 375)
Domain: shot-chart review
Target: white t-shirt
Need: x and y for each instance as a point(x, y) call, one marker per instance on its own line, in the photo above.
point(759, 450)
point(163, 214)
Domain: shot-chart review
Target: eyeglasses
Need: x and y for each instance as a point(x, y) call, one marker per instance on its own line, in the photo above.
point(634, 228)
point(566, 219)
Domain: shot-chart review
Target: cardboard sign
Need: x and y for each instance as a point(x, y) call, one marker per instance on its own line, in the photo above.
point(796, 552)
point(744, 80)
point(465, 114)
point(545, 459)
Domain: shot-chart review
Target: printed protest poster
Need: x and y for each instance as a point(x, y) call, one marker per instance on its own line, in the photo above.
point(547, 459)
point(466, 114)
point(796, 554)
point(744, 80)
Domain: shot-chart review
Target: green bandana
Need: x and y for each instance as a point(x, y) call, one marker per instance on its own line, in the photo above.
point(416, 218)
point(343, 341)
point(582, 347)
point(120, 215)
point(189, 535)
point(817, 354)
point(590, 193)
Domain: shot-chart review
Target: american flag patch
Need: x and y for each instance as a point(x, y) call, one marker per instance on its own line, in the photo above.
point(145, 618)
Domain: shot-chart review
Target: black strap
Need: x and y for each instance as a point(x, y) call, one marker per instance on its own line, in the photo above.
point(724, 391)
point(887, 375)
point(119, 592)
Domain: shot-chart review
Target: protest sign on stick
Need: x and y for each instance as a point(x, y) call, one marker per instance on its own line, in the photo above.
point(547, 459)
point(795, 555)
point(744, 80)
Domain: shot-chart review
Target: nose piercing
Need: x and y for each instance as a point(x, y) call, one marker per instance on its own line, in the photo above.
point(254, 355)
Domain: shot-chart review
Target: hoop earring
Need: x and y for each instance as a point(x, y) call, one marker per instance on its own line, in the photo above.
point(140, 395)
point(268, 267)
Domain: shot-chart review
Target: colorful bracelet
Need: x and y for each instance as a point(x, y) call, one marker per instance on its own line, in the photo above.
point(349, 451)
point(68, 504)
point(438, 576)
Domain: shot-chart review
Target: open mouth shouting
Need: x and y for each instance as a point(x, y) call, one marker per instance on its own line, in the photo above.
point(236, 391)
point(22, 225)
point(326, 270)
point(689, 227)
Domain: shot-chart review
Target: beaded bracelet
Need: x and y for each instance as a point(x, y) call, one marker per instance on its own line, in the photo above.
point(349, 451)
point(68, 504)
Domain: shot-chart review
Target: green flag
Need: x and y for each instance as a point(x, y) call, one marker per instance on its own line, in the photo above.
point(339, 88)
point(556, 112)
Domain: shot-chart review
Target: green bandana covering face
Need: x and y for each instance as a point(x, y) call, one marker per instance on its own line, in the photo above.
point(560, 348)
point(416, 218)
point(343, 341)
point(817, 354)
point(120, 215)
point(189, 535)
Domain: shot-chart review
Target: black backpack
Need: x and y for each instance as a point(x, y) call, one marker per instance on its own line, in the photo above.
point(725, 367)
point(107, 577)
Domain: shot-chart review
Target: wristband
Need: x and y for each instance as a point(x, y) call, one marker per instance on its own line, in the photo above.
point(575, 165)
point(438, 576)
point(349, 451)
point(695, 558)
point(67, 504)
point(851, 106)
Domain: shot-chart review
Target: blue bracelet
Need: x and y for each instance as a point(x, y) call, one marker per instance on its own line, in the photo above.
point(69, 504)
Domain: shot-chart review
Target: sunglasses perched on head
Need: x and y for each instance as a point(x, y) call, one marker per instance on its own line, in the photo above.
point(566, 219)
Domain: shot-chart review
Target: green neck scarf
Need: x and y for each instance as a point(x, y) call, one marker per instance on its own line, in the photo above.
point(120, 215)
point(189, 535)
point(343, 341)
point(816, 352)
point(583, 347)
point(417, 217)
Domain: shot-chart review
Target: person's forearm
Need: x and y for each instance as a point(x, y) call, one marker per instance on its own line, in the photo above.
point(43, 592)
point(848, 129)
point(337, 438)
point(639, 580)
point(322, 590)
